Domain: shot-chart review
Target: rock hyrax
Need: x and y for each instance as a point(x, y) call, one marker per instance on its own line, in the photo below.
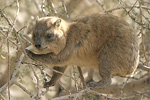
point(100, 41)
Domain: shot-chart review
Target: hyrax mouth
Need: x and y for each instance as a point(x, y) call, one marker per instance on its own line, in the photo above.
point(40, 49)
point(43, 48)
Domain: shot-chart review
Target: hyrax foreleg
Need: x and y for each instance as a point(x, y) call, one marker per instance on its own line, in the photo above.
point(56, 76)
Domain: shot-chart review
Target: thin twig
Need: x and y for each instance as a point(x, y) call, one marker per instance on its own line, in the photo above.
point(10, 5)
point(141, 19)
point(81, 76)
point(12, 27)
point(8, 66)
point(14, 73)
point(143, 67)
point(117, 98)
point(44, 73)
point(63, 87)
point(8, 38)
point(44, 92)
point(1, 97)
point(131, 16)
point(72, 95)
point(132, 6)
point(38, 85)
point(146, 18)
point(102, 6)
point(121, 90)
point(50, 69)
point(6, 85)
point(136, 6)
point(76, 82)
point(23, 88)
point(75, 95)
point(50, 3)
point(43, 7)
point(63, 4)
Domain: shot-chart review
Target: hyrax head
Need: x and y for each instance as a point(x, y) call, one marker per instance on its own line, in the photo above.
point(48, 35)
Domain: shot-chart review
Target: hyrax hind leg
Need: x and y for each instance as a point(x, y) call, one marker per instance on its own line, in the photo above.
point(105, 81)
point(105, 65)
point(56, 76)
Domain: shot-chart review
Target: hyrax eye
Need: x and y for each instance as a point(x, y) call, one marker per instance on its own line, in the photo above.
point(48, 36)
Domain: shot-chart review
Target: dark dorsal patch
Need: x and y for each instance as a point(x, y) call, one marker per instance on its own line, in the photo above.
point(84, 37)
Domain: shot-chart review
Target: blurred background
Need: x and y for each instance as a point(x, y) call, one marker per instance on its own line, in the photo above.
point(17, 18)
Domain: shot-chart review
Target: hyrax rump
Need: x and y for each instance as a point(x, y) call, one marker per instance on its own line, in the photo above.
point(100, 41)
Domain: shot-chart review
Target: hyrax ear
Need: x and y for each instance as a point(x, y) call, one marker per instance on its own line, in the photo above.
point(57, 23)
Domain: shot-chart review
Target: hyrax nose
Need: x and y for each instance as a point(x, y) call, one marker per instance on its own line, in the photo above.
point(37, 45)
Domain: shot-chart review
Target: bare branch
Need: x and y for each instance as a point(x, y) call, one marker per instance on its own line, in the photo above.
point(63, 4)
point(135, 6)
point(141, 19)
point(43, 7)
point(102, 6)
point(14, 74)
point(75, 79)
point(1, 97)
point(64, 88)
point(72, 95)
point(8, 39)
point(23, 88)
point(81, 76)
point(129, 87)
point(38, 86)
point(50, 3)
point(113, 90)
point(144, 67)
point(50, 69)
point(132, 6)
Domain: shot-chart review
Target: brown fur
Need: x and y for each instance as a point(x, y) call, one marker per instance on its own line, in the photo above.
point(100, 41)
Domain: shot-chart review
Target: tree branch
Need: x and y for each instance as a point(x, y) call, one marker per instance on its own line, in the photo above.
point(129, 87)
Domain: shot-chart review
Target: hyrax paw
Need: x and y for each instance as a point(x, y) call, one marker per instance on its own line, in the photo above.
point(92, 84)
point(27, 51)
point(30, 54)
point(48, 84)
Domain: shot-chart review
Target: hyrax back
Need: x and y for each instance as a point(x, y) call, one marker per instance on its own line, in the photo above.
point(101, 41)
